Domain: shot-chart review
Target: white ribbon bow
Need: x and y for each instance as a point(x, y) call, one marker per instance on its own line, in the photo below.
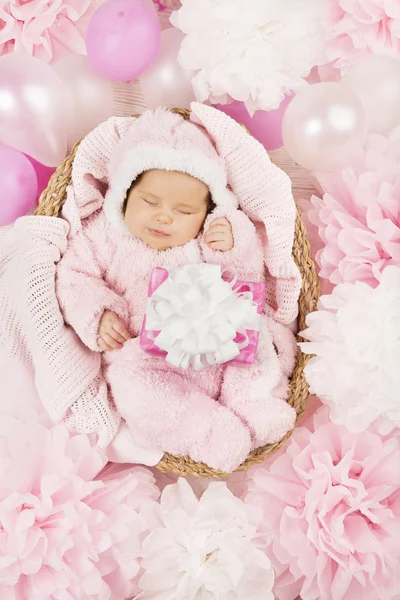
point(199, 315)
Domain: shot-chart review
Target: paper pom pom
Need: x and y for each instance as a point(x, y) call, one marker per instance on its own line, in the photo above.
point(354, 29)
point(358, 218)
point(64, 534)
point(331, 514)
point(356, 339)
point(254, 52)
point(205, 548)
point(45, 29)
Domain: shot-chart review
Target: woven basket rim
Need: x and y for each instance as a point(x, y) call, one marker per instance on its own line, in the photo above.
point(50, 204)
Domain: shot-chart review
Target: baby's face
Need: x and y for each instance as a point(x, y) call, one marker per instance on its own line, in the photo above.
point(166, 208)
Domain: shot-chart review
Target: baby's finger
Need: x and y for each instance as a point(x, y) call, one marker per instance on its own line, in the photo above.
point(220, 221)
point(219, 228)
point(110, 341)
point(216, 229)
point(118, 326)
point(105, 347)
point(218, 245)
point(117, 336)
point(216, 236)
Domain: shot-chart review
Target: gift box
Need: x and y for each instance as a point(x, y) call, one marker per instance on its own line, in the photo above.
point(199, 316)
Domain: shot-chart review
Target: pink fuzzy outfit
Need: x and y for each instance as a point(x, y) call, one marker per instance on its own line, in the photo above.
point(216, 415)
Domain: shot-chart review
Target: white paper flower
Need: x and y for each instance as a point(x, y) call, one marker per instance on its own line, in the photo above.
point(205, 549)
point(356, 339)
point(253, 51)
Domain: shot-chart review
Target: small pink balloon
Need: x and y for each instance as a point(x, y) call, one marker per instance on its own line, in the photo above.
point(123, 38)
point(265, 126)
point(33, 102)
point(43, 175)
point(324, 126)
point(91, 96)
point(165, 83)
point(18, 185)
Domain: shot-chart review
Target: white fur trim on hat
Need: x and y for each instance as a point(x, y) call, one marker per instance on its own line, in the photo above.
point(145, 158)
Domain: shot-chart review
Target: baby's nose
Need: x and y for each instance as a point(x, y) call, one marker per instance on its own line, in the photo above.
point(164, 218)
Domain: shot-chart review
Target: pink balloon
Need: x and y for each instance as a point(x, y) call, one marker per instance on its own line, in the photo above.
point(91, 96)
point(324, 126)
point(165, 83)
point(43, 175)
point(18, 185)
point(265, 126)
point(123, 38)
point(33, 102)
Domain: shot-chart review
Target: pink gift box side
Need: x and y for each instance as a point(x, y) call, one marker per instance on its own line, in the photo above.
point(247, 355)
point(157, 277)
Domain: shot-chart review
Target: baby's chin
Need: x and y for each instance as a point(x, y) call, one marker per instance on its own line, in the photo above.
point(163, 243)
point(159, 242)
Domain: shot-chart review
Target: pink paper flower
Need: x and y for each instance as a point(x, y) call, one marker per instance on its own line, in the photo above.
point(355, 29)
point(63, 533)
point(47, 29)
point(358, 217)
point(331, 506)
point(206, 548)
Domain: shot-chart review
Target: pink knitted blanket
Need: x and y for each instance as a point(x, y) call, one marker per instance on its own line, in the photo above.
point(42, 362)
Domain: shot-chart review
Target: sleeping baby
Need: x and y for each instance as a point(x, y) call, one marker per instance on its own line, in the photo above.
point(168, 204)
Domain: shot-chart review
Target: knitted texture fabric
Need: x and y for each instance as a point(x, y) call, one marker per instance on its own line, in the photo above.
point(43, 364)
point(33, 338)
point(264, 193)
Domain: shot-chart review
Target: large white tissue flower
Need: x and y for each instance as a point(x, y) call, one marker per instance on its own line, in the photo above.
point(206, 549)
point(356, 339)
point(254, 51)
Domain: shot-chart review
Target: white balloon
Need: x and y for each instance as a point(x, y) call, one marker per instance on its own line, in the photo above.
point(376, 81)
point(33, 103)
point(324, 126)
point(91, 96)
point(165, 82)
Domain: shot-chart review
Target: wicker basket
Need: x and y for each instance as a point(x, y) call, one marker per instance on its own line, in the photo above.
point(50, 204)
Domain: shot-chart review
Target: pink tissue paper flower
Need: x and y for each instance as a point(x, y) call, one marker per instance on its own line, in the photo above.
point(358, 216)
point(64, 533)
point(46, 29)
point(355, 29)
point(331, 513)
point(207, 548)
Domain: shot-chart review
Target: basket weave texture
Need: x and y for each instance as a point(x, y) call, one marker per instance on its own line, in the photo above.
point(50, 204)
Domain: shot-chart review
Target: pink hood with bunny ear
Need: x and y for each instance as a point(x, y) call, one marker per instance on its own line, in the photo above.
point(216, 150)
point(160, 139)
point(264, 193)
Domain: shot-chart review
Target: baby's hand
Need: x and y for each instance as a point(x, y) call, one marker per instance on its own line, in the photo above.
point(112, 332)
point(219, 235)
